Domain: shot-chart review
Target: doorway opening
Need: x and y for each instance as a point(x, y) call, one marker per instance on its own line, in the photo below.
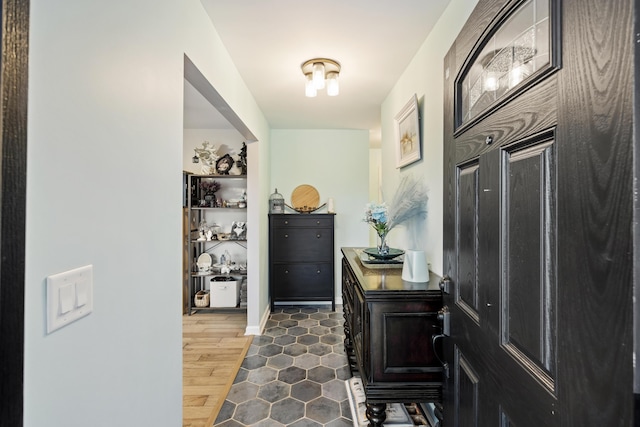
point(216, 203)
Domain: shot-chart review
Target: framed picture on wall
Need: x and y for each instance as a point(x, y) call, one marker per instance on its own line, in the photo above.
point(408, 147)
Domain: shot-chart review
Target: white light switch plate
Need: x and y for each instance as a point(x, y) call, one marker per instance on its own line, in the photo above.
point(69, 296)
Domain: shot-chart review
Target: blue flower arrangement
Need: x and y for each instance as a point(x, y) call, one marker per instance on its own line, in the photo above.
point(377, 215)
point(409, 201)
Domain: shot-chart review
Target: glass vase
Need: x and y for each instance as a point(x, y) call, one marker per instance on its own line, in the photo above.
point(383, 248)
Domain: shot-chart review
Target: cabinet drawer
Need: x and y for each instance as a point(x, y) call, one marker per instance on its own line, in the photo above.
point(302, 244)
point(299, 281)
point(301, 221)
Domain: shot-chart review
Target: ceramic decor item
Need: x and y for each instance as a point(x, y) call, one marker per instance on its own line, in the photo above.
point(415, 268)
point(204, 262)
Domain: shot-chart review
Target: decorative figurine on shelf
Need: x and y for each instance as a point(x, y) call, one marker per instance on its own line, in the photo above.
point(209, 235)
point(240, 229)
point(242, 161)
point(208, 154)
point(242, 203)
point(224, 164)
point(215, 229)
point(202, 230)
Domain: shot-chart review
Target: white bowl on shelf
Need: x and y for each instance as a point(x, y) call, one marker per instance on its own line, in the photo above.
point(204, 262)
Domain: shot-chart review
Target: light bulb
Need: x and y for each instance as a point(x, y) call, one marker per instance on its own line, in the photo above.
point(333, 87)
point(318, 75)
point(309, 89)
point(516, 75)
point(490, 83)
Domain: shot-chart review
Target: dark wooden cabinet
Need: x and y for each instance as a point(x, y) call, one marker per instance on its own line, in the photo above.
point(389, 325)
point(301, 258)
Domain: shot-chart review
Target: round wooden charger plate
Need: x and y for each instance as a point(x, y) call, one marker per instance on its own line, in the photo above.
point(305, 198)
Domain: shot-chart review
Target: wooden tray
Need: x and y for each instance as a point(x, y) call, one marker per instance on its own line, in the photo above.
point(305, 198)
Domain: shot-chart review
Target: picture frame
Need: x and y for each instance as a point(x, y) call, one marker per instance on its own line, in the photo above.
point(224, 164)
point(408, 141)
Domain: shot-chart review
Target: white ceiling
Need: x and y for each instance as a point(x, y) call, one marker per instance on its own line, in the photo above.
point(268, 40)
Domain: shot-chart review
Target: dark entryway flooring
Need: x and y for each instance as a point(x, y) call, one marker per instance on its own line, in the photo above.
point(293, 374)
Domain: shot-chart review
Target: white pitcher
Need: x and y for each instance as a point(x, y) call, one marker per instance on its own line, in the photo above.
point(415, 268)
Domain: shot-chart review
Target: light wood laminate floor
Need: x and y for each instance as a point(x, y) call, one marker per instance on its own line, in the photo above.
point(213, 348)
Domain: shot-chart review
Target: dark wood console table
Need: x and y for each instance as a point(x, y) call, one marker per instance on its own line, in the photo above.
point(389, 324)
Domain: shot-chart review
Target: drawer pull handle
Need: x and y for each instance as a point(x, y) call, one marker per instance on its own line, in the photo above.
point(286, 222)
point(286, 272)
point(318, 222)
point(318, 272)
point(318, 236)
point(286, 236)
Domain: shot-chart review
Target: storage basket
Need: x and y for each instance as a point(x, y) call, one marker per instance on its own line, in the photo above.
point(202, 299)
point(225, 292)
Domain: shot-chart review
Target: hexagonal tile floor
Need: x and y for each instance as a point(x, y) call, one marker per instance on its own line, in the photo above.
point(293, 374)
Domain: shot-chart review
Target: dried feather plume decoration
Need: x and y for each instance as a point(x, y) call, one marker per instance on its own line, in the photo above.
point(410, 201)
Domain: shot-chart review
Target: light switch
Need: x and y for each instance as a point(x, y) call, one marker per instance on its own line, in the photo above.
point(69, 296)
point(81, 293)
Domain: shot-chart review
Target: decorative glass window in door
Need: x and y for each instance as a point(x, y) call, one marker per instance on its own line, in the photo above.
point(517, 49)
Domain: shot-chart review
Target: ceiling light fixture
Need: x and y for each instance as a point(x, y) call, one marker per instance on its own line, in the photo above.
point(320, 73)
point(506, 67)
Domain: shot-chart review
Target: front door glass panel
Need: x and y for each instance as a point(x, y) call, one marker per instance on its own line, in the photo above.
point(518, 49)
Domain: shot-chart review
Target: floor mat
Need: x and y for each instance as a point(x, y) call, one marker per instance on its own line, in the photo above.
point(398, 414)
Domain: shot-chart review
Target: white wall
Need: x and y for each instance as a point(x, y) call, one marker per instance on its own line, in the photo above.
point(425, 77)
point(375, 178)
point(104, 152)
point(103, 188)
point(336, 163)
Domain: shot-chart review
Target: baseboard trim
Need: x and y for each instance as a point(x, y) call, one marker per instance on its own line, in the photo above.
point(257, 330)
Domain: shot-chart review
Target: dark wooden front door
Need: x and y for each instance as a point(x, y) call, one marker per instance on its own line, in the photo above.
point(538, 213)
point(14, 55)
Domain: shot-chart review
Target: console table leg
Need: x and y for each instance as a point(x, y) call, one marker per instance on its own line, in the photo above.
point(376, 413)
